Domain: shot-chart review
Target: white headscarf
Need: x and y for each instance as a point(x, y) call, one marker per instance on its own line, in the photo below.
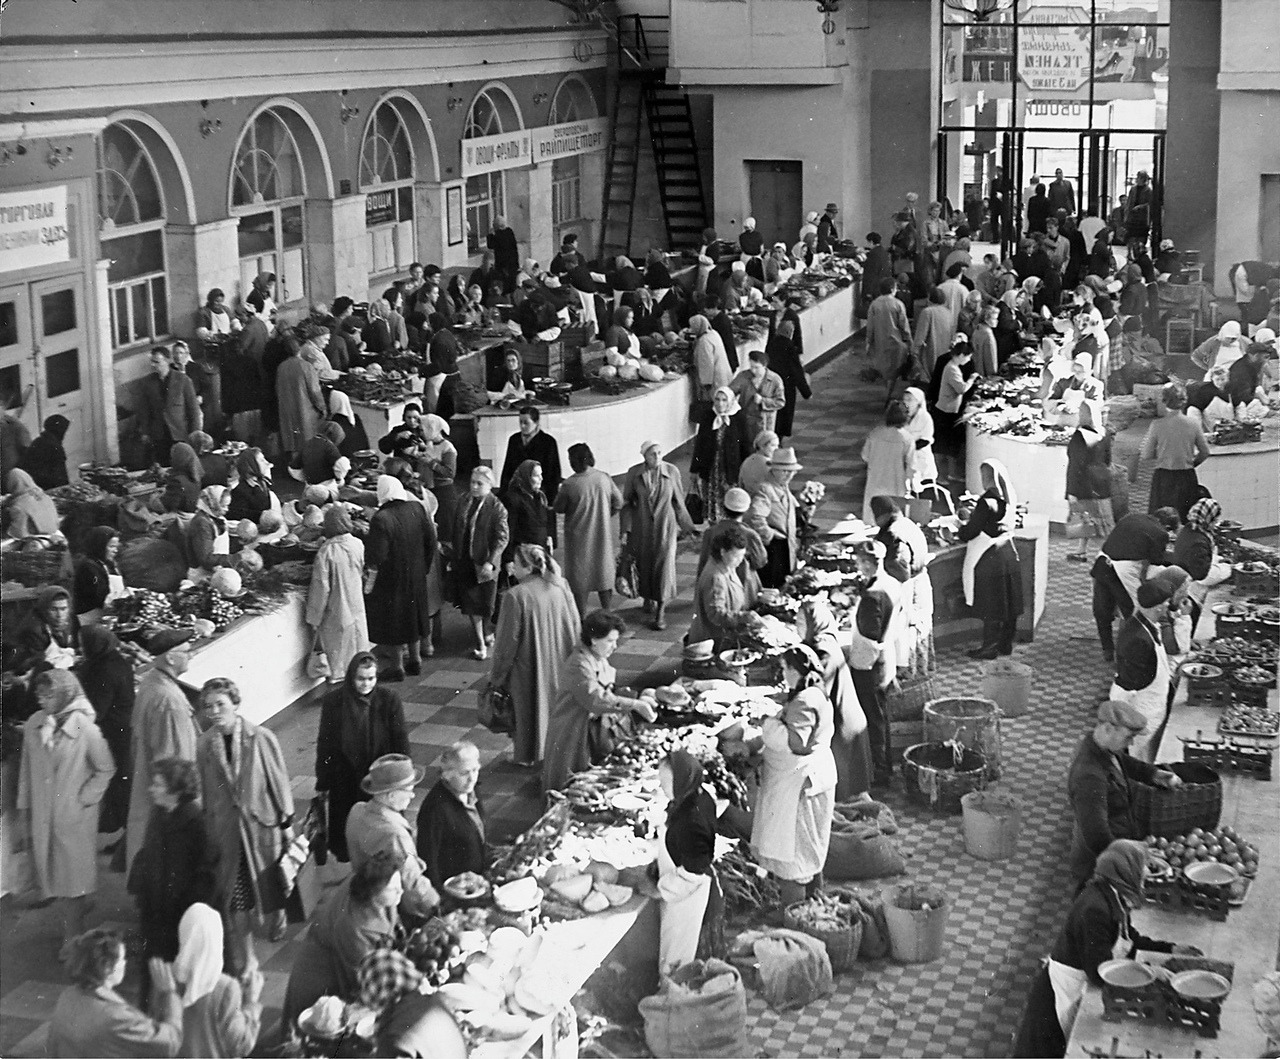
point(199, 963)
point(1005, 486)
point(340, 405)
point(389, 489)
point(920, 426)
point(733, 409)
point(434, 426)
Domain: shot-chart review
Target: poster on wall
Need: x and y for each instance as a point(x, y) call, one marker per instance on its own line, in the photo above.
point(33, 228)
point(1054, 60)
point(453, 214)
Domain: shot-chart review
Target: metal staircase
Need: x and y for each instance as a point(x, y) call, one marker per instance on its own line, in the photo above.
point(642, 98)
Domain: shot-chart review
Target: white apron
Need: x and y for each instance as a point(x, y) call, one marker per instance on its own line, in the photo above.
point(917, 617)
point(1218, 572)
point(684, 903)
point(1131, 574)
point(863, 653)
point(1069, 984)
point(1151, 701)
point(974, 550)
point(221, 546)
point(115, 590)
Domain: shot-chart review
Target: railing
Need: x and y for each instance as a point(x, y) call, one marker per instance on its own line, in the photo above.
point(644, 41)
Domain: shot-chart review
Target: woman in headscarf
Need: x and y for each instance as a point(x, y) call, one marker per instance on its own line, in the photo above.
point(219, 1018)
point(719, 449)
point(107, 678)
point(919, 431)
point(906, 560)
point(754, 471)
point(692, 917)
point(851, 741)
point(46, 459)
point(354, 437)
point(1097, 929)
point(206, 541)
point(377, 332)
point(1088, 485)
point(214, 467)
point(992, 576)
point(538, 627)
point(1196, 551)
point(791, 828)
point(359, 723)
point(400, 549)
point(1222, 349)
point(619, 335)
point(653, 514)
point(66, 768)
point(319, 460)
point(1008, 325)
point(185, 479)
point(710, 361)
point(253, 496)
point(480, 537)
point(335, 600)
point(528, 517)
point(49, 636)
point(437, 467)
point(30, 512)
point(97, 579)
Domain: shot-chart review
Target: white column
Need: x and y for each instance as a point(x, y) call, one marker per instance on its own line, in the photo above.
point(199, 258)
point(337, 248)
point(102, 388)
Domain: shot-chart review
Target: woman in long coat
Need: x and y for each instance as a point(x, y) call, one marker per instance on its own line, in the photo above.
point(302, 405)
point(529, 519)
point(588, 499)
point(480, 536)
point(653, 515)
point(890, 458)
point(851, 743)
point(537, 629)
point(400, 547)
point(247, 806)
point(335, 601)
point(66, 769)
point(107, 678)
point(359, 722)
point(719, 448)
point(585, 695)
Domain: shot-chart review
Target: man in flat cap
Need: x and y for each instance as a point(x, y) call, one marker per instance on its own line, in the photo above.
point(1100, 786)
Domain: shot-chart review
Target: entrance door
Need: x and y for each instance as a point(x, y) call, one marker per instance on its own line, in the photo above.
point(1011, 162)
point(1095, 174)
point(42, 359)
point(775, 190)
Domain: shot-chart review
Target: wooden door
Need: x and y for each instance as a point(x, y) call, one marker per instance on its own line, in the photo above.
point(776, 199)
point(59, 340)
point(17, 364)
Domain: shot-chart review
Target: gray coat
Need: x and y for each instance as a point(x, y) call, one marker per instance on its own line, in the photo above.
point(654, 518)
point(302, 404)
point(588, 501)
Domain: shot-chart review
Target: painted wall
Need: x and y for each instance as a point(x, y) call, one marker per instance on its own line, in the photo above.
point(751, 35)
point(1250, 147)
point(1251, 41)
point(1191, 149)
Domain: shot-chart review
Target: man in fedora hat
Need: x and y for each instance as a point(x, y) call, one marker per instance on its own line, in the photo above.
point(773, 517)
point(379, 826)
point(737, 502)
point(828, 234)
point(164, 725)
point(451, 827)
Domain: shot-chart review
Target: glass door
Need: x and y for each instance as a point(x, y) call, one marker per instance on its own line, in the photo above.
point(1095, 173)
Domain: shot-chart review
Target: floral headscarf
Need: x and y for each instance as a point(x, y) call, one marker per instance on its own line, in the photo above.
point(733, 408)
point(522, 480)
point(210, 503)
point(1204, 515)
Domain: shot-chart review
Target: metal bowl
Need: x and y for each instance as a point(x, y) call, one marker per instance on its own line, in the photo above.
point(1200, 985)
point(1210, 873)
point(1126, 974)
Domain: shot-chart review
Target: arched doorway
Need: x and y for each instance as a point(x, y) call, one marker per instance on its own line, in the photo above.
point(493, 111)
point(572, 101)
point(397, 152)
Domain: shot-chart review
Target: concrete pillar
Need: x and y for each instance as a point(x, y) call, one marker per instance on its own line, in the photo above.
point(337, 247)
point(102, 384)
point(200, 257)
point(539, 228)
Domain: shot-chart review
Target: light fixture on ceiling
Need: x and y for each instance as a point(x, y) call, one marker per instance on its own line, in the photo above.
point(978, 10)
point(827, 8)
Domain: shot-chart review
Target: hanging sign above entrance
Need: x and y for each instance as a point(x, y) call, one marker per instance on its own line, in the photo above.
point(574, 137)
point(33, 228)
point(492, 154)
point(1053, 60)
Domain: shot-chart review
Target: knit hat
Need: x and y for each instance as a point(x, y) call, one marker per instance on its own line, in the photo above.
point(737, 500)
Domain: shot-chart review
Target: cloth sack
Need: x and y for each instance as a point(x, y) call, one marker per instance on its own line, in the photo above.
point(794, 968)
point(875, 926)
point(860, 845)
point(699, 1010)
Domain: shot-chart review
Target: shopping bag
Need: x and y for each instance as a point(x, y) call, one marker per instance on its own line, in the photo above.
point(497, 711)
point(627, 580)
point(697, 508)
point(318, 667)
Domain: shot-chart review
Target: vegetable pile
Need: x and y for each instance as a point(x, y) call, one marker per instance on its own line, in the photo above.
point(1222, 844)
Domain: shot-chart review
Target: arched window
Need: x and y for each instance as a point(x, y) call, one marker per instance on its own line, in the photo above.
point(131, 216)
point(386, 178)
point(268, 186)
point(572, 102)
point(491, 113)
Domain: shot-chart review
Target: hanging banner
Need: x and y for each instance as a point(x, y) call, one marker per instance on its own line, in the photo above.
point(492, 154)
point(574, 137)
point(1054, 59)
point(33, 228)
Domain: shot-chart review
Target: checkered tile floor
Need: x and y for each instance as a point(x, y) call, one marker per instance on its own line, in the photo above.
point(1003, 915)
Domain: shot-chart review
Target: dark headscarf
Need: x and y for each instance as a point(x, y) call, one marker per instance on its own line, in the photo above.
point(334, 432)
point(884, 505)
point(57, 426)
point(804, 659)
point(247, 466)
point(522, 480)
point(337, 521)
point(444, 348)
point(686, 778)
point(355, 712)
point(60, 687)
point(96, 539)
point(97, 642)
point(183, 460)
point(1123, 864)
point(46, 598)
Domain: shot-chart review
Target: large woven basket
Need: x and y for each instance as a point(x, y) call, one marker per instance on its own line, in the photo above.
point(842, 945)
point(907, 701)
point(1167, 813)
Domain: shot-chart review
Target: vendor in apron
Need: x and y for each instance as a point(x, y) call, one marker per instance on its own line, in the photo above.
point(207, 543)
point(1097, 929)
point(692, 905)
point(1066, 395)
point(1196, 551)
point(1142, 665)
point(873, 649)
point(97, 580)
point(907, 562)
point(1137, 547)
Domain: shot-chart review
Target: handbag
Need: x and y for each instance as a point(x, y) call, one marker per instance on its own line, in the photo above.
point(497, 711)
point(318, 667)
point(626, 581)
point(696, 507)
point(1079, 526)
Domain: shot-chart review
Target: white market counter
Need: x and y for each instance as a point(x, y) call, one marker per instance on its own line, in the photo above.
point(1038, 471)
point(1242, 478)
point(827, 323)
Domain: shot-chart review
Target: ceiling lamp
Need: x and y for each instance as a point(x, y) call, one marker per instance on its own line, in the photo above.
point(827, 8)
point(978, 10)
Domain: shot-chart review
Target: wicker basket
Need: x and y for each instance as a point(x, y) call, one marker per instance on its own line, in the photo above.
point(842, 945)
point(907, 702)
point(1167, 813)
point(931, 778)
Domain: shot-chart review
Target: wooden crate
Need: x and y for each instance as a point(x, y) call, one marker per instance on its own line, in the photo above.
point(544, 360)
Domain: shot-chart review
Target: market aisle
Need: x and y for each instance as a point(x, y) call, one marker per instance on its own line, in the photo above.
point(1003, 916)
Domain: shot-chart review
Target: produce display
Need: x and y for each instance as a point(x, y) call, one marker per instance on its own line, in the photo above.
point(1249, 720)
point(1223, 845)
point(374, 387)
point(1235, 432)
